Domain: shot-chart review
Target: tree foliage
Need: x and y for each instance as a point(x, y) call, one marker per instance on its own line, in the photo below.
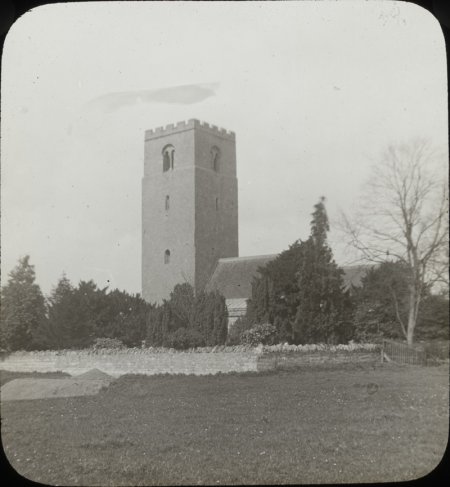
point(265, 334)
point(433, 322)
point(403, 214)
point(323, 312)
point(381, 306)
point(61, 310)
point(124, 317)
point(275, 292)
point(381, 303)
point(236, 330)
point(76, 317)
point(79, 315)
point(211, 318)
point(185, 320)
point(300, 292)
point(23, 308)
point(184, 338)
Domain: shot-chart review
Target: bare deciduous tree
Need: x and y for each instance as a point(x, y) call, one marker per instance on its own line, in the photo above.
point(403, 215)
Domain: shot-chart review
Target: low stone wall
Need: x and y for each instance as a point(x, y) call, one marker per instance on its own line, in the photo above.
point(197, 362)
point(120, 362)
point(291, 360)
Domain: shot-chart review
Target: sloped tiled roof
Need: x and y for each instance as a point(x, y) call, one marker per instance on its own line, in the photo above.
point(233, 276)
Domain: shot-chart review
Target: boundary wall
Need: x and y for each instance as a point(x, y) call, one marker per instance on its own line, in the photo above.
point(148, 362)
point(121, 362)
point(294, 360)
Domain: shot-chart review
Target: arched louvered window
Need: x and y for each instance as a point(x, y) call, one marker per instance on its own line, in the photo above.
point(168, 154)
point(215, 158)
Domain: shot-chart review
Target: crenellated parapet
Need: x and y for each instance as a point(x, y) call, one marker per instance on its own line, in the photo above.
point(187, 125)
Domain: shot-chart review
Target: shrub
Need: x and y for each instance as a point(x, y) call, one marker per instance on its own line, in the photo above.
point(436, 350)
point(100, 343)
point(183, 339)
point(264, 333)
point(205, 314)
point(236, 330)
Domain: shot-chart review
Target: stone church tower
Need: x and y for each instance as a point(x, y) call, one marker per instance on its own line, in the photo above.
point(189, 206)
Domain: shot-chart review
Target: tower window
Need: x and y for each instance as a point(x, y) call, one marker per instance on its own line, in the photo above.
point(215, 156)
point(168, 154)
point(167, 202)
point(166, 256)
point(217, 204)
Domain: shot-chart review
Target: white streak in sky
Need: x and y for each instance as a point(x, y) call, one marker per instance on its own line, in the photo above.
point(182, 95)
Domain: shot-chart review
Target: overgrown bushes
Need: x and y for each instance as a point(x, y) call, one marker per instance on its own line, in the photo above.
point(266, 334)
point(83, 316)
point(110, 343)
point(186, 321)
point(183, 339)
point(76, 317)
point(301, 292)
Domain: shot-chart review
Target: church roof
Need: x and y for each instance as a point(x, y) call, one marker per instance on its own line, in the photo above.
point(233, 276)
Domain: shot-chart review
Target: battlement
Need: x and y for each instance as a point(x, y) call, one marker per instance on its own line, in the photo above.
point(187, 125)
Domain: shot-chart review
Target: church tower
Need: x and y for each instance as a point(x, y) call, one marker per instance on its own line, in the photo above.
point(189, 206)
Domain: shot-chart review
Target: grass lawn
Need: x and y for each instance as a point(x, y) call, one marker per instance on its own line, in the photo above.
point(347, 424)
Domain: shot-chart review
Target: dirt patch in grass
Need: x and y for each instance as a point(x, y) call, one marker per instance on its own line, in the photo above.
point(87, 384)
point(21, 389)
point(346, 425)
point(6, 375)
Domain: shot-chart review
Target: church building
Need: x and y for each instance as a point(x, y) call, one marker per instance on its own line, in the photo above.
point(190, 216)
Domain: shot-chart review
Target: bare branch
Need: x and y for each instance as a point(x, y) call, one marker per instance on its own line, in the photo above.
point(404, 215)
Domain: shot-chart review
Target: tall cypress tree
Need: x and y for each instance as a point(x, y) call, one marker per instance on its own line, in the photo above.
point(323, 305)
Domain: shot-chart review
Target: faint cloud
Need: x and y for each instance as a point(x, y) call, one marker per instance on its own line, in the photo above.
point(183, 95)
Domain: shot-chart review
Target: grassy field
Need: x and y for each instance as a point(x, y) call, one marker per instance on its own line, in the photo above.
point(351, 424)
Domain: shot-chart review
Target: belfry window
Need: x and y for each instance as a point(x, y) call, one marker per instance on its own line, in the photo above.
point(168, 154)
point(167, 202)
point(166, 256)
point(215, 157)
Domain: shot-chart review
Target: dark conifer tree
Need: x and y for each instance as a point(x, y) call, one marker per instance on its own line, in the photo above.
point(186, 321)
point(22, 308)
point(323, 306)
point(75, 313)
point(220, 318)
point(275, 292)
point(56, 333)
point(182, 303)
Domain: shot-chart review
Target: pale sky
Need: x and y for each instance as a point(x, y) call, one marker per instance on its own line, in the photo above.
point(313, 90)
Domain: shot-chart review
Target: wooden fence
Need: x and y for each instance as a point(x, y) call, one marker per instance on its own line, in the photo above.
point(402, 353)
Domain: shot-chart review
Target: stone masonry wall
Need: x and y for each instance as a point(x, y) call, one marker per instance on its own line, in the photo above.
point(137, 361)
point(122, 362)
point(290, 360)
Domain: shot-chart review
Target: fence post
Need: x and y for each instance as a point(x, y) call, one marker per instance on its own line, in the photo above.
point(382, 350)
